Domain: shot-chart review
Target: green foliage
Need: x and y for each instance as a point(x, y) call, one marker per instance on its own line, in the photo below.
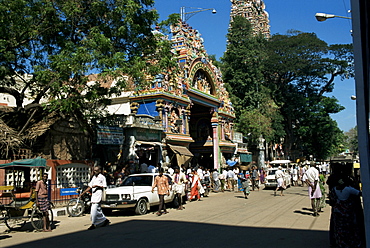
point(351, 140)
point(59, 42)
point(300, 69)
point(278, 87)
point(243, 74)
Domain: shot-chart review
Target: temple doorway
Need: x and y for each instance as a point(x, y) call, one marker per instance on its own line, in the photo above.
point(201, 131)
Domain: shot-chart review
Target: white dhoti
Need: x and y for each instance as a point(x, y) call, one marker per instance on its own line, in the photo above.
point(280, 182)
point(178, 188)
point(97, 216)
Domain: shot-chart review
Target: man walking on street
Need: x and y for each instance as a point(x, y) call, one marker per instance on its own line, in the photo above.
point(179, 180)
point(97, 185)
point(314, 191)
point(255, 178)
point(279, 175)
point(216, 181)
point(163, 188)
point(42, 201)
point(230, 177)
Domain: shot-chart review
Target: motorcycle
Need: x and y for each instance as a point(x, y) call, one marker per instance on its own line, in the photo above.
point(81, 205)
point(206, 184)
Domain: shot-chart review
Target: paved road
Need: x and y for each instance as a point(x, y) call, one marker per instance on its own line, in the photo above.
point(220, 220)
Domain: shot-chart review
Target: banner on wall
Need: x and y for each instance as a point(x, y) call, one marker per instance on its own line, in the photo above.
point(109, 135)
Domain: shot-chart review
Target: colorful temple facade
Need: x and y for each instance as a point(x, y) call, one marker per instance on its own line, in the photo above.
point(254, 11)
point(194, 110)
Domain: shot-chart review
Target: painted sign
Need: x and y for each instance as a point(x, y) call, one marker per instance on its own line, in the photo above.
point(68, 191)
point(109, 135)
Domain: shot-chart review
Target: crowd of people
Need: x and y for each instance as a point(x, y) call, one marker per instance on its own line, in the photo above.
point(346, 220)
point(191, 184)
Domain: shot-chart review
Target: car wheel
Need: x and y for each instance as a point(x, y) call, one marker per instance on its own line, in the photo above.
point(107, 211)
point(141, 207)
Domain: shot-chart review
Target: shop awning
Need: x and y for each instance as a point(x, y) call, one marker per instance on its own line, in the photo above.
point(139, 143)
point(280, 162)
point(182, 150)
point(183, 155)
point(33, 162)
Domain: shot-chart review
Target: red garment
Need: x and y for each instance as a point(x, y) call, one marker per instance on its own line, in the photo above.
point(194, 190)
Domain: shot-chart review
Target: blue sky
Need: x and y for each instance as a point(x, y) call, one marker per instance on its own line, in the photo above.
point(284, 15)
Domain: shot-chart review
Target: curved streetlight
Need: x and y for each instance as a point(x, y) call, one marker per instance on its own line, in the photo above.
point(186, 15)
point(322, 16)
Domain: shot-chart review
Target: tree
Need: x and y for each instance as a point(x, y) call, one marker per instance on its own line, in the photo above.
point(351, 140)
point(299, 70)
point(59, 42)
point(242, 70)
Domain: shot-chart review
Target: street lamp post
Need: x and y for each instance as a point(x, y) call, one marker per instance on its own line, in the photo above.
point(323, 17)
point(186, 15)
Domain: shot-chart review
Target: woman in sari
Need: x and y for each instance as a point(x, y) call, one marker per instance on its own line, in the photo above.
point(195, 185)
point(262, 176)
point(346, 215)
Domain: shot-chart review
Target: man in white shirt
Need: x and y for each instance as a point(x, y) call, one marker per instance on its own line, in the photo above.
point(171, 171)
point(324, 168)
point(179, 181)
point(97, 185)
point(279, 175)
point(230, 178)
point(314, 191)
point(200, 173)
point(216, 181)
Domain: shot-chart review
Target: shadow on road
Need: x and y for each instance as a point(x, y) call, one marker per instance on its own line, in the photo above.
point(163, 234)
point(4, 236)
point(302, 212)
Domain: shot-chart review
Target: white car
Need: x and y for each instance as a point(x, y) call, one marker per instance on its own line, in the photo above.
point(135, 192)
point(271, 182)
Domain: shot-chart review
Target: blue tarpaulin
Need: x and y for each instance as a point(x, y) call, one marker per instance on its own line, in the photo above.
point(231, 163)
point(148, 108)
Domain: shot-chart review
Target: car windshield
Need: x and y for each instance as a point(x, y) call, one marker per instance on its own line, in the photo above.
point(271, 172)
point(138, 181)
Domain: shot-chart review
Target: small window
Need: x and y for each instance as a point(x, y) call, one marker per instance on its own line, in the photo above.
point(138, 181)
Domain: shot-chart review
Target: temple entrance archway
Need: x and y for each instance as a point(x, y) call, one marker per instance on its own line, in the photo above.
point(200, 129)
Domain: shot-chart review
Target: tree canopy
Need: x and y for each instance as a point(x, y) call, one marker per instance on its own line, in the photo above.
point(278, 87)
point(301, 68)
point(58, 43)
point(243, 65)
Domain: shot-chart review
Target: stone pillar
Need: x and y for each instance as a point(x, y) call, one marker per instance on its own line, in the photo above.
point(166, 119)
point(160, 105)
point(261, 153)
point(187, 119)
point(216, 147)
point(134, 107)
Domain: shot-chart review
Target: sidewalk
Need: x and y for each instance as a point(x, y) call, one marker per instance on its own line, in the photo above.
point(222, 219)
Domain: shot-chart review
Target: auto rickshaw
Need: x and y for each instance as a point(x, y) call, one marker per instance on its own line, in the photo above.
point(18, 201)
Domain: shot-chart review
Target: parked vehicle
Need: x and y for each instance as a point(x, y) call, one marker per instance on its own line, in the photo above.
point(20, 208)
point(271, 180)
point(135, 193)
point(81, 205)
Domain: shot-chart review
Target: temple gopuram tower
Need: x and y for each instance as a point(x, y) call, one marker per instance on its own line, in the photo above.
point(254, 11)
